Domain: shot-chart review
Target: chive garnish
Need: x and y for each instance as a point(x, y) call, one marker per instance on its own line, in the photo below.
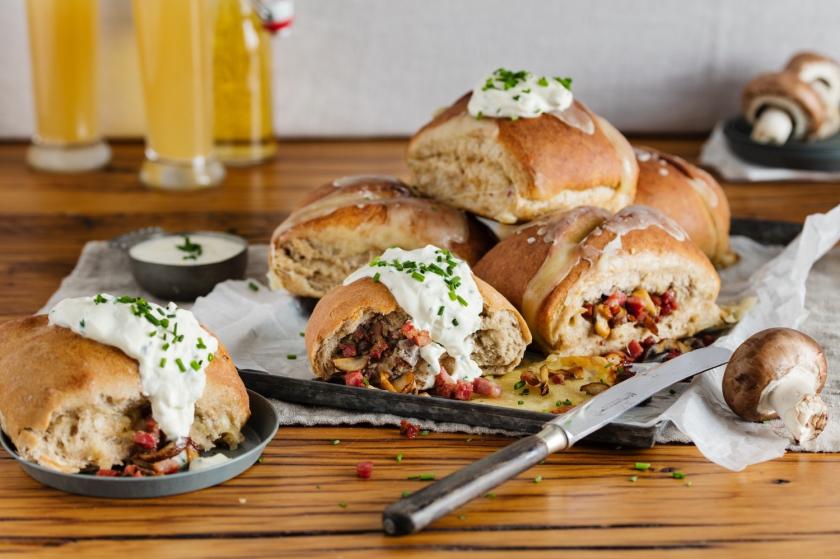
point(519, 385)
point(162, 363)
point(192, 250)
point(538, 479)
point(291, 356)
point(210, 357)
point(376, 277)
point(455, 322)
point(677, 475)
point(200, 344)
point(253, 286)
point(180, 365)
point(165, 346)
point(335, 442)
point(196, 365)
point(399, 457)
point(642, 466)
point(423, 477)
point(440, 311)
point(99, 299)
point(406, 494)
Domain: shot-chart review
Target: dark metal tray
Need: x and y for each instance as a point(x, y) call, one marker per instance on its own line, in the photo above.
point(318, 393)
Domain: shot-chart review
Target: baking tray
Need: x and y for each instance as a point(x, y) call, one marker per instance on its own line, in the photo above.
point(259, 431)
point(821, 155)
point(319, 393)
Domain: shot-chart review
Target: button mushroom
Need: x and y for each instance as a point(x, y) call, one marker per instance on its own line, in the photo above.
point(782, 107)
point(823, 74)
point(779, 372)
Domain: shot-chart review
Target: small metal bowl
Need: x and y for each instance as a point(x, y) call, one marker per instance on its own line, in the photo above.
point(186, 283)
point(821, 155)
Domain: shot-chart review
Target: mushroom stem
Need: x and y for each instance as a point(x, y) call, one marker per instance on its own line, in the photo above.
point(773, 126)
point(794, 398)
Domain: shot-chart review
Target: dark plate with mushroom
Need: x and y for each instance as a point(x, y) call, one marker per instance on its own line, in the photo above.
point(820, 155)
point(259, 431)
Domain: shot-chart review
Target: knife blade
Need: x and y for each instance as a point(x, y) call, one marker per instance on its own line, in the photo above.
point(415, 512)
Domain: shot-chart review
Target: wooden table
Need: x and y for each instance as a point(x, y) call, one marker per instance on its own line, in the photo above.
point(304, 499)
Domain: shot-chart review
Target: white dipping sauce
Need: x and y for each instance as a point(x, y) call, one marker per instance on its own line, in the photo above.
point(170, 346)
point(451, 316)
point(186, 250)
point(506, 94)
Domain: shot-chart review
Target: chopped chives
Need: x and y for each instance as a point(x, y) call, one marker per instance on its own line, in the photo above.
point(440, 311)
point(196, 365)
point(162, 363)
point(200, 344)
point(291, 356)
point(642, 466)
point(180, 365)
point(423, 477)
point(519, 385)
point(376, 277)
point(399, 457)
point(538, 479)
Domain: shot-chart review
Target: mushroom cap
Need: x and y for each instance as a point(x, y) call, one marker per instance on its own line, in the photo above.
point(781, 90)
point(764, 357)
point(801, 59)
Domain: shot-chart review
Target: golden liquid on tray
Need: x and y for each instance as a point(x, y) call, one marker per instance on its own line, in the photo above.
point(63, 42)
point(241, 84)
point(175, 43)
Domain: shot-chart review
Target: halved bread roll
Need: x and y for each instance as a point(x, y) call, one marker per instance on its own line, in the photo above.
point(588, 283)
point(518, 170)
point(688, 195)
point(345, 223)
point(364, 313)
point(69, 402)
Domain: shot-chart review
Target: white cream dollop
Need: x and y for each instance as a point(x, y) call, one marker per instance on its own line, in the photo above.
point(170, 346)
point(506, 94)
point(451, 316)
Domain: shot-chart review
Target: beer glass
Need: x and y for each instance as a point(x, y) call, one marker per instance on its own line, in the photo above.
point(63, 43)
point(174, 39)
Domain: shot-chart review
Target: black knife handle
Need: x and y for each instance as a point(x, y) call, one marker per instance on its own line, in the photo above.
point(412, 514)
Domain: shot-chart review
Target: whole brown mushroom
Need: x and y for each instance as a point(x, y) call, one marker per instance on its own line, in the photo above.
point(775, 373)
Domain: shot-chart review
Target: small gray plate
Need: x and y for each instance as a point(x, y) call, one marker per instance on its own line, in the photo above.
point(259, 431)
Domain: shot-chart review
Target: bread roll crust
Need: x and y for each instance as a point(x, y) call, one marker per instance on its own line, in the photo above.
point(690, 196)
point(49, 371)
point(582, 244)
point(517, 170)
point(343, 224)
point(346, 306)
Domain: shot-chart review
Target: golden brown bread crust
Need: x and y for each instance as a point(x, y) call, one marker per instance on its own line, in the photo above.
point(551, 157)
point(688, 195)
point(511, 264)
point(45, 369)
point(363, 216)
point(586, 232)
point(348, 303)
point(786, 85)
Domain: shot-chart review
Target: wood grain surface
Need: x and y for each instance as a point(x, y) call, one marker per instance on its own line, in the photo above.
point(304, 499)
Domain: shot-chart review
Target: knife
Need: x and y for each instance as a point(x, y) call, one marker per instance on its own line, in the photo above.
point(415, 512)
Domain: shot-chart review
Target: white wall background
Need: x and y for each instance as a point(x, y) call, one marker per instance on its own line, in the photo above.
point(380, 67)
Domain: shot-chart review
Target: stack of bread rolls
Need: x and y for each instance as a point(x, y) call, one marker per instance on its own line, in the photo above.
point(590, 272)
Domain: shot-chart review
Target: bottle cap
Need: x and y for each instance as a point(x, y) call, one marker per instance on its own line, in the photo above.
point(276, 15)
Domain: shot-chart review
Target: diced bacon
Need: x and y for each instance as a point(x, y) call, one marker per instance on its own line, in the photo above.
point(615, 301)
point(463, 390)
point(420, 337)
point(634, 306)
point(348, 350)
point(561, 409)
point(444, 384)
point(648, 342)
point(354, 378)
point(486, 387)
point(378, 349)
point(408, 429)
point(145, 440)
point(557, 378)
point(588, 310)
point(152, 427)
point(107, 473)
point(634, 350)
point(364, 469)
point(170, 465)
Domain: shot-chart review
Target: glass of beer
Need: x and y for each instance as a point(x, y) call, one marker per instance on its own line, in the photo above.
point(63, 37)
point(174, 39)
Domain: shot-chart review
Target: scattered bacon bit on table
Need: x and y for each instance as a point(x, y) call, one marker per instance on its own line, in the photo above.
point(408, 429)
point(364, 469)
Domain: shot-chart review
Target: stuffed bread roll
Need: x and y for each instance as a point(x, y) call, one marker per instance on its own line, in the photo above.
point(691, 197)
point(345, 223)
point(117, 386)
point(518, 147)
point(588, 283)
point(412, 321)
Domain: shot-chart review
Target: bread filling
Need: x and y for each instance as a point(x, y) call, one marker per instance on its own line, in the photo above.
point(151, 454)
point(385, 352)
point(638, 307)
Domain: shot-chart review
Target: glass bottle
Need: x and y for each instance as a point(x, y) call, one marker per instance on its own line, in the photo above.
point(242, 84)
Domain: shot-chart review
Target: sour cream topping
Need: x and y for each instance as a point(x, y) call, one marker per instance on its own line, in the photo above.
point(438, 292)
point(507, 94)
point(170, 346)
point(187, 250)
